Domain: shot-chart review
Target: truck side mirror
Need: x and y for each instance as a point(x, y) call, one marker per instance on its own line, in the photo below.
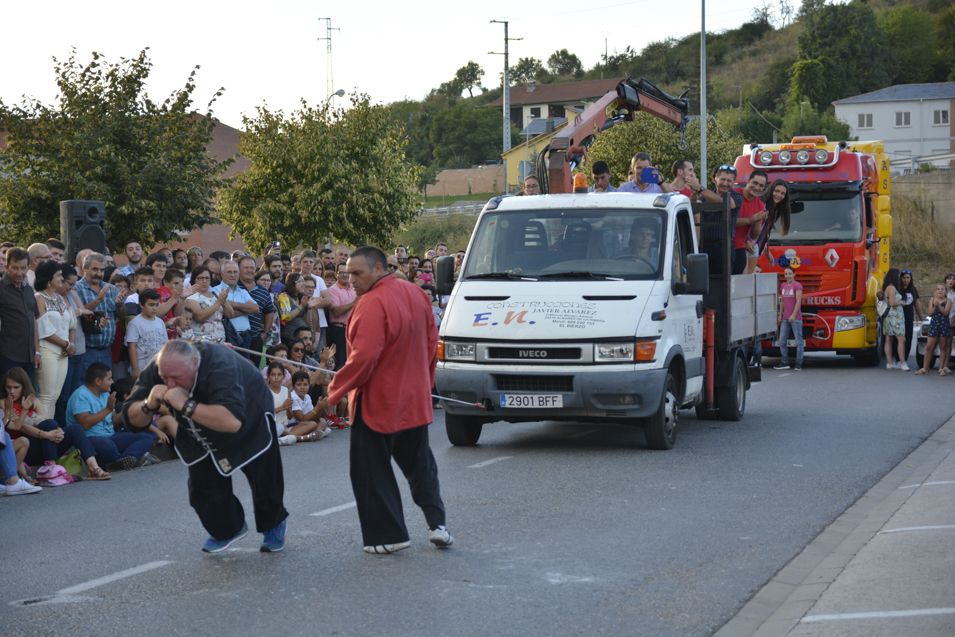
point(444, 275)
point(697, 275)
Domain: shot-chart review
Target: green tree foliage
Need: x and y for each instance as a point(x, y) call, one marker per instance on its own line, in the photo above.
point(563, 63)
point(801, 118)
point(464, 135)
point(468, 77)
point(527, 69)
point(911, 35)
point(426, 232)
point(748, 125)
point(322, 173)
point(648, 134)
point(945, 35)
point(851, 47)
point(773, 84)
point(105, 139)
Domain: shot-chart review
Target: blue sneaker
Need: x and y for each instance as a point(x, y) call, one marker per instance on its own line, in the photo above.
point(273, 540)
point(212, 545)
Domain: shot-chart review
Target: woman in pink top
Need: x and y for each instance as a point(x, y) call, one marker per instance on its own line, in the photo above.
point(790, 319)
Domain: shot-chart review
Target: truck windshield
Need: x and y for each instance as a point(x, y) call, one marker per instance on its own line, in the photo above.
point(567, 244)
point(828, 217)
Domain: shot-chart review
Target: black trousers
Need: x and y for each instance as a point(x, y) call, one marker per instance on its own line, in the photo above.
point(220, 512)
point(376, 490)
point(336, 336)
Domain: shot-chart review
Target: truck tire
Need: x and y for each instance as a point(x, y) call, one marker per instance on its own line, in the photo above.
point(463, 431)
point(660, 428)
point(731, 401)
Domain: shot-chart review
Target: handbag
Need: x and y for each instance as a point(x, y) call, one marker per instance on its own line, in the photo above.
point(881, 308)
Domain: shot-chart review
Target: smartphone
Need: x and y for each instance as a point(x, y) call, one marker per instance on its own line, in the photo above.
point(650, 175)
point(276, 245)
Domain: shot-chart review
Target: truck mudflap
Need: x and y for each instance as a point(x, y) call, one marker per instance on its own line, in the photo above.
point(619, 393)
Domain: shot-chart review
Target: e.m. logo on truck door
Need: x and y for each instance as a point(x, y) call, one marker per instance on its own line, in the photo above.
point(483, 319)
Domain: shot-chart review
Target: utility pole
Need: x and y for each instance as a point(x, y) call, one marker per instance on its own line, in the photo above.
point(703, 117)
point(329, 80)
point(506, 97)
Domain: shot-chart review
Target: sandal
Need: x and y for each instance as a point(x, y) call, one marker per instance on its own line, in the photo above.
point(98, 473)
point(920, 372)
point(945, 371)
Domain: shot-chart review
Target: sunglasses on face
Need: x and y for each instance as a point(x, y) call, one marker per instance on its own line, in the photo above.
point(297, 350)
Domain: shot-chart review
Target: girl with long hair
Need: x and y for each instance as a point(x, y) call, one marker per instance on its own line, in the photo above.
point(779, 210)
point(939, 307)
point(893, 324)
point(910, 306)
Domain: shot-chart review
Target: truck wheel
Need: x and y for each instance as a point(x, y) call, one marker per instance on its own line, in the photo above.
point(463, 431)
point(660, 428)
point(731, 401)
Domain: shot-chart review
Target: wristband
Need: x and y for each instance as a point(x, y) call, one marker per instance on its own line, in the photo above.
point(189, 408)
point(146, 408)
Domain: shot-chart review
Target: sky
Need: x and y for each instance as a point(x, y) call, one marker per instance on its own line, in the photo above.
point(269, 53)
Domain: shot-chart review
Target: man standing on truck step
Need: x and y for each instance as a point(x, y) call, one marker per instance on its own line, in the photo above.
point(723, 178)
point(392, 352)
point(750, 219)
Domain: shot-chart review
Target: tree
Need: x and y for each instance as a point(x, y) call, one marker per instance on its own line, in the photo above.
point(563, 63)
point(648, 134)
point(527, 69)
point(465, 135)
point(105, 139)
point(801, 118)
point(469, 76)
point(911, 35)
point(850, 45)
point(322, 173)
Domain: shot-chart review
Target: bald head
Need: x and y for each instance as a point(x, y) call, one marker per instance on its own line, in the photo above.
point(178, 364)
point(39, 253)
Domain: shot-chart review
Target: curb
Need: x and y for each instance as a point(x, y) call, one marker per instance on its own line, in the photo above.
point(779, 605)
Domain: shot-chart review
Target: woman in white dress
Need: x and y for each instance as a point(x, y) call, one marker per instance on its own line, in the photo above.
point(56, 329)
point(204, 309)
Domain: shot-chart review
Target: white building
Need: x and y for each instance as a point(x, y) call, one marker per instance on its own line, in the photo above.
point(914, 120)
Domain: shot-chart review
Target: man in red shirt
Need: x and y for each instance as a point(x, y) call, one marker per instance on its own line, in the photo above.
point(392, 352)
point(749, 221)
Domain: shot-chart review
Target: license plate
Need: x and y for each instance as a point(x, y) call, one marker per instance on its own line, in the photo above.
point(532, 401)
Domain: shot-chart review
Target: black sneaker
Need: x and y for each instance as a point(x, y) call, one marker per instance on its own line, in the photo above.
point(125, 463)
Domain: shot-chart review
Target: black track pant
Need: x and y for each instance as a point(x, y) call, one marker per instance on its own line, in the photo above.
point(220, 512)
point(376, 490)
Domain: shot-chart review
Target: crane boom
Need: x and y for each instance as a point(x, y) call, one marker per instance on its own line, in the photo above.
point(566, 149)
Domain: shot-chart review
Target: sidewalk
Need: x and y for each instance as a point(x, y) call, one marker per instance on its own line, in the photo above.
point(885, 567)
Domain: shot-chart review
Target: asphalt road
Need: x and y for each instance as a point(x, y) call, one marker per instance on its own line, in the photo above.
point(559, 528)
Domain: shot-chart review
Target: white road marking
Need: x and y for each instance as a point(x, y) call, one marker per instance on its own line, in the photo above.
point(785, 375)
point(106, 579)
point(560, 578)
point(884, 614)
point(928, 484)
point(799, 466)
point(581, 434)
point(479, 465)
point(340, 507)
point(905, 529)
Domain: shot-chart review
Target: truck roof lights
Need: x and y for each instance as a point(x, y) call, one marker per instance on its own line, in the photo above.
point(821, 156)
point(785, 156)
point(802, 156)
point(766, 157)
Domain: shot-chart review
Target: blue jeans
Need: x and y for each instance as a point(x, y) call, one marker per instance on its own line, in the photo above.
point(8, 457)
point(91, 356)
point(784, 328)
point(72, 381)
point(120, 444)
point(73, 436)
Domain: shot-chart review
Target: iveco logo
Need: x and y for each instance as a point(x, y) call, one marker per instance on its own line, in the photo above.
point(532, 353)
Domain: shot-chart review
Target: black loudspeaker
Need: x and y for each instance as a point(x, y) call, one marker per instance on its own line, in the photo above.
point(82, 225)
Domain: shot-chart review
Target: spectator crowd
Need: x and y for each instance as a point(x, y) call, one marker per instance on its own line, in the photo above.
point(74, 337)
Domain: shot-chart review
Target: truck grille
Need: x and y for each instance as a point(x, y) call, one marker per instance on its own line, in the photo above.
point(526, 383)
point(810, 282)
point(535, 353)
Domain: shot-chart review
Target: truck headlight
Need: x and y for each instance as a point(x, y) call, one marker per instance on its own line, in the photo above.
point(613, 352)
point(458, 351)
point(846, 323)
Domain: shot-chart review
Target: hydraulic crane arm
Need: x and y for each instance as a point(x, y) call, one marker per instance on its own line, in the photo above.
point(567, 148)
